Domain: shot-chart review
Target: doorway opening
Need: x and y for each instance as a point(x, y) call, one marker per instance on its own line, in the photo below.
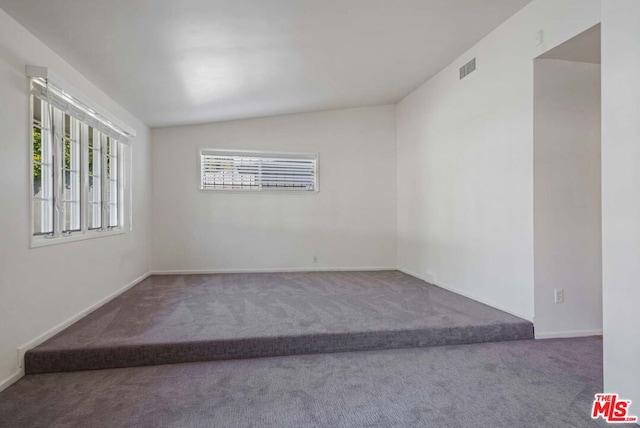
point(567, 189)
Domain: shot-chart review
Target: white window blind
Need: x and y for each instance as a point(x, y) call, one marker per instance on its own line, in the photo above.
point(239, 170)
point(58, 99)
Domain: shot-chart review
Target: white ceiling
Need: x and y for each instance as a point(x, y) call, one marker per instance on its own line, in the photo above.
point(188, 61)
point(585, 47)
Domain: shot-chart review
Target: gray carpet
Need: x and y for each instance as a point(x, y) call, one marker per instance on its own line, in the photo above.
point(173, 319)
point(543, 383)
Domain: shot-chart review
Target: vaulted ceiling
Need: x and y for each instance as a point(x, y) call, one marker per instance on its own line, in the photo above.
point(189, 61)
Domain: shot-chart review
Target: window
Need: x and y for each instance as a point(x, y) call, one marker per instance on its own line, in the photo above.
point(255, 171)
point(77, 168)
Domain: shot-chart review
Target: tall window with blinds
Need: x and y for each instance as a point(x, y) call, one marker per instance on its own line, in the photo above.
point(77, 167)
point(258, 171)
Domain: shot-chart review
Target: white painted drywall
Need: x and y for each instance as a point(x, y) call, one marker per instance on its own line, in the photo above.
point(567, 209)
point(43, 287)
point(349, 223)
point(465, 162)
point(621, 197)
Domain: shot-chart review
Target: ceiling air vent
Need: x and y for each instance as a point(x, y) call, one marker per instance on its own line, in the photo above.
point(467, 69)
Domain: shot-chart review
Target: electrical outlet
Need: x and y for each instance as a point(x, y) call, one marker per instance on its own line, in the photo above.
point(558, 295)
point(539, 38)
point(315, 259)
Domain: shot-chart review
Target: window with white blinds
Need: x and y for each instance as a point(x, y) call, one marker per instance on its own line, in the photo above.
point(77, 168)
point(255, 171)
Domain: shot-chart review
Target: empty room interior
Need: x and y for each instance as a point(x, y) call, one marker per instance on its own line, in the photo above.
point(357, 213)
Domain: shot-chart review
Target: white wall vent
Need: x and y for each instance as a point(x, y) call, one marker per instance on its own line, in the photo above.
point(467, 69)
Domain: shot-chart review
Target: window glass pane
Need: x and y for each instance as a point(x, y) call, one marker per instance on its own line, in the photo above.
point(108, 166)
point(67, 126)
point(67, 154)
point(95, 180)
point(113, 182)
point(71, 220)
point(113, 168)
point(42, 215)
point(94, 153)
point(113, 215)
point(37, 111)
point(95, 189)
point(113, 191)
point(95, 169)
point(71, 176)
point(42, 181)
point(95, 215)
point(42, 171)
point(37, 161)
point(71, 181)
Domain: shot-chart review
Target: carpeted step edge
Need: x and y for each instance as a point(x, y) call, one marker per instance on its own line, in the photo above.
point(66, 360)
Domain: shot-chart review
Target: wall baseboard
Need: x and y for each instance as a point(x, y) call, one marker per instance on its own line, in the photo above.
point(568, 334)
point(58, 328)
point(467, 295)
point(11, 380)
point(272, 270)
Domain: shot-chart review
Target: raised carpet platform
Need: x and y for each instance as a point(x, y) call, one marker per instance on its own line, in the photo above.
point(188, 318)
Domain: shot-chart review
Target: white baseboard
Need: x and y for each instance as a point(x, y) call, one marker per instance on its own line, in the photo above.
point(568, 334)
point(465, 294)
point(271, 270)
point(58, 328)
point(11, 380)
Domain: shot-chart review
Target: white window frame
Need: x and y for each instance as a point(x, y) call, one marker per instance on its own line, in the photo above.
point(260, 154)
point(47, 162)
point(101, 126)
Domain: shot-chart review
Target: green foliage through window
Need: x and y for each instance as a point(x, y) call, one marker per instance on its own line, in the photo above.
point(37, 153)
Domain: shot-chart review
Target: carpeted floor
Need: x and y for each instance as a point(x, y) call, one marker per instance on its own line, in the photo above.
point(169, 319)
point(543, 383)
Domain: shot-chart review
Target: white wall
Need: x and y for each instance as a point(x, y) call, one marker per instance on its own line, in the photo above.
point(567, 209)
point(621, 197)
point(349, 223)
point(465, 162)
point(43, 287)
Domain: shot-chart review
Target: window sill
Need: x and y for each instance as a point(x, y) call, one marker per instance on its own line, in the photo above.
point(43, 241)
